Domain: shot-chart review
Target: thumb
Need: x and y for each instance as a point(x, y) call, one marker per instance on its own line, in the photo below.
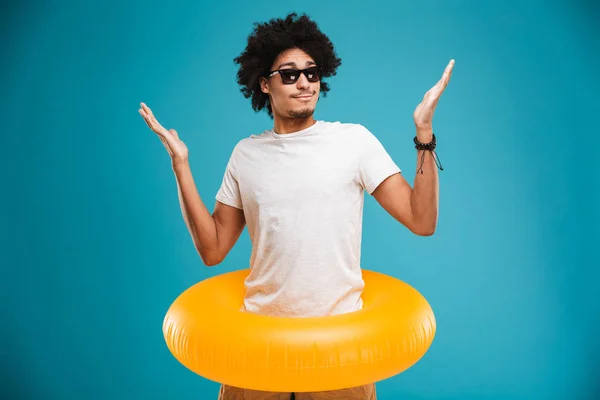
point(173, 131)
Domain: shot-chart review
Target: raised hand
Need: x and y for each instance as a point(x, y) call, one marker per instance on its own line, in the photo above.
point(176, 148)
point(423, 115)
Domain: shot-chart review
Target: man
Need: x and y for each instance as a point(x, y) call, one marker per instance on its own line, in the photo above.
point(299, 187)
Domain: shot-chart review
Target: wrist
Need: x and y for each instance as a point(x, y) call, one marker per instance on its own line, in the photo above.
point(424, 134)
point(179, 162)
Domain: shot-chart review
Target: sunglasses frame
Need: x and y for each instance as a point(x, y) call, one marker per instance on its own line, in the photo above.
point(298, 73)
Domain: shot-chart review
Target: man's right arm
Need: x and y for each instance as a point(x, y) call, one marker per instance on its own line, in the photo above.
point(213, 235)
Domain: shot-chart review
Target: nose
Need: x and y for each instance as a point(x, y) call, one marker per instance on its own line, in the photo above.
point(302, 82)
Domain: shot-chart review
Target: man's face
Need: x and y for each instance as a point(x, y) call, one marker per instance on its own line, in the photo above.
point(296, 100)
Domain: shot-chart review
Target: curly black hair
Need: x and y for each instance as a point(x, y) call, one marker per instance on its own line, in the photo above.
point(270, 39)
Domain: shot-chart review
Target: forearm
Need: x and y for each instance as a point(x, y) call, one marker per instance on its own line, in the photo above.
point(425, 194)
point(198, 219)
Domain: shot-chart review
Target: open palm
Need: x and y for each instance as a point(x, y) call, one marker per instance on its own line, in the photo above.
point(176, 148)
point(423, 115)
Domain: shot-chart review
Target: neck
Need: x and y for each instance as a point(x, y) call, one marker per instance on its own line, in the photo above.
point(283, 125)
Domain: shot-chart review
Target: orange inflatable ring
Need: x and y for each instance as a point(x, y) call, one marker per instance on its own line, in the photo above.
point(206, 332)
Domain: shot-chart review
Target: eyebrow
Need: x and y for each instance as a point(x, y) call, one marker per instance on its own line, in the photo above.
point(293, 64)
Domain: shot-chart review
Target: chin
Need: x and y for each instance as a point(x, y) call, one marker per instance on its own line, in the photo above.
point(302, 113)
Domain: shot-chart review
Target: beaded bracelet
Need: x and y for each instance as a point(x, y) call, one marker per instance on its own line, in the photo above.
point(428, 147)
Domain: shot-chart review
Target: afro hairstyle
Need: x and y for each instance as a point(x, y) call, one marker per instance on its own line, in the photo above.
point(268, 40)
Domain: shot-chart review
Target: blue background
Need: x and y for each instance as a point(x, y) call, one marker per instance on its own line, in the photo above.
point(95, 248)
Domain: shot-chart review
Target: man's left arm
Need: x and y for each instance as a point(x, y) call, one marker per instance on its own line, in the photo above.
point(417, 208)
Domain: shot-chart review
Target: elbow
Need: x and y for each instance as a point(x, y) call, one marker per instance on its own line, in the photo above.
point(426, 232)
point(423, 232)
point(424, 229)
point(210, 259)
point(210, 262)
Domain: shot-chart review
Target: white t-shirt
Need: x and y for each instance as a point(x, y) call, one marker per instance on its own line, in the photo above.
point(302, 194)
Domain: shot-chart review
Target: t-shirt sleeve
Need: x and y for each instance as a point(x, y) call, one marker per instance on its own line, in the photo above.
point(375, 164)
point(229, 192)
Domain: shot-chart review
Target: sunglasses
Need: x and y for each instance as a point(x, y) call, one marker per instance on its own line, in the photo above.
point(291, 75)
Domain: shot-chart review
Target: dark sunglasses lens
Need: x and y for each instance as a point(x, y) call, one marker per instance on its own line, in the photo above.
point(312, 74)
point(291, 75)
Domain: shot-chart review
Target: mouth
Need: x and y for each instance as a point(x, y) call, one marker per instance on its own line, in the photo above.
point(304, 97)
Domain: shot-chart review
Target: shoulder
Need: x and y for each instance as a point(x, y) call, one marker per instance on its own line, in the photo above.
point(248, 147)
point(250, 141)
point(346, 128)
point(352, 127)
point(357, 133)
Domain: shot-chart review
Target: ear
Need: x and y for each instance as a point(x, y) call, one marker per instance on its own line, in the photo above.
point(264, 85)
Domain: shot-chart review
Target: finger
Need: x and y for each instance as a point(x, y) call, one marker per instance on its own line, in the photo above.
point(148, 113)
point(440, 86)
point(143, 114)
point(447, 73)
point(433, 94)
point(164, 141)
point(146, 108)
point(153, 123)
point(152, 117)
point(148, 121)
